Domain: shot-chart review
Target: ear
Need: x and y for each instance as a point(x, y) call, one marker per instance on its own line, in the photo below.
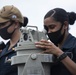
point(65, 25)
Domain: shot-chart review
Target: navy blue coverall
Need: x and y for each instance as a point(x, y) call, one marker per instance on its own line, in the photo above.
point(5, 66)
point(69, 47)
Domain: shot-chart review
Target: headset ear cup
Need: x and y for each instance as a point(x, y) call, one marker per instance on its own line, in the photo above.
point(25, 21)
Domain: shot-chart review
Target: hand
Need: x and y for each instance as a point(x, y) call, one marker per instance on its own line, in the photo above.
point(48, 47)
point(0, 51)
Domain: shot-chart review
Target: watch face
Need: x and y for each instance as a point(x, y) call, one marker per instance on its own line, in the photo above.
point(70, 54)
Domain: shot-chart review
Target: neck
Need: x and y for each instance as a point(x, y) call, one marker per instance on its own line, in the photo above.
point(15, 38)
point(65, 36)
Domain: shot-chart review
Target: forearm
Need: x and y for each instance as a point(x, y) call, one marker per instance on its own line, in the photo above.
point(70, 65)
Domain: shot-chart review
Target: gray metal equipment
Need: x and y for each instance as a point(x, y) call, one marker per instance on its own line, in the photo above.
point(29, 59)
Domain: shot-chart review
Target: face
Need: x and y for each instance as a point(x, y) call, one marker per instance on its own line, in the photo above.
point(51, 25)
point(10, 29)
point(55, 30)
point(7, 29)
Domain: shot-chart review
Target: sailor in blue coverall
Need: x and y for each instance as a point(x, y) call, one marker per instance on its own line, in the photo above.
point(11, 20)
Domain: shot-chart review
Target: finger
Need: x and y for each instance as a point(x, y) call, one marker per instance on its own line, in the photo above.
point(0, 50)
point(41, 46)
point(41, 43)
point(45, 52)
point(44, 45)
point(42, 40)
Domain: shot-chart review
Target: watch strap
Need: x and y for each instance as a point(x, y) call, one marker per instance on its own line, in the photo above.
point(62, 56)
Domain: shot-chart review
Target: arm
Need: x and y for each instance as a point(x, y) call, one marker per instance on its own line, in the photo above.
point(52, 49)
point(70, 65)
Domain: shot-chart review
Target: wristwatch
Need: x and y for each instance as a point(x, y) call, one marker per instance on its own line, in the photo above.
point(62, 56)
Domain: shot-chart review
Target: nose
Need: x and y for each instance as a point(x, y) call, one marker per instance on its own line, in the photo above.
point(49, 31)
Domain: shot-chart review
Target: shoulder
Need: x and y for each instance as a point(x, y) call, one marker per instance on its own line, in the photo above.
point(70, 42)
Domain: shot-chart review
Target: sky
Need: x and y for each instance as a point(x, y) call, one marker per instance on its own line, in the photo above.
point(35, 10)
